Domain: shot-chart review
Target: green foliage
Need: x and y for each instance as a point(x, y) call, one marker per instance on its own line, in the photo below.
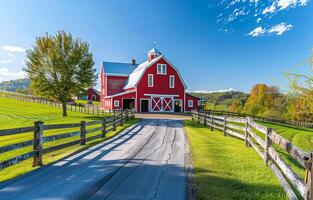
point(226, 169)
point(301, 90)
point(18, 85)
point(265, 101)
point(222, 100)
point(59, 67)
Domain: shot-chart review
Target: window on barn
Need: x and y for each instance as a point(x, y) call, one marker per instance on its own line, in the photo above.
point(150, 80)
point(116, 103)
point(190, 103)
point(172, 81)
point(161, 69)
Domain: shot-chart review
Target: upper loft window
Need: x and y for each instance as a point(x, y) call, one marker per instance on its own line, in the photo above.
point(150, 80)
point(161, 69)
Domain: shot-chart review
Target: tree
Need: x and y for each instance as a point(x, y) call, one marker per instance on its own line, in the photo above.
point(59, 67)
point(301, 89)
point(265, 101)
point(234, 106)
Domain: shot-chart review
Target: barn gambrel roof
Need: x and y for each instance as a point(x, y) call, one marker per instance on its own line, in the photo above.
point(137, 74)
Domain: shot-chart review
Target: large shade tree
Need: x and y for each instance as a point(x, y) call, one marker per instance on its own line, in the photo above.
point(60, 67)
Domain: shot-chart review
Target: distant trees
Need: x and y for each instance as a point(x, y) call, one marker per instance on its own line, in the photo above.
point(265, 101)
point(59, 67)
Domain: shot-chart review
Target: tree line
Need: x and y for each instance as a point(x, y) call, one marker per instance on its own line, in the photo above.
point(268, 101)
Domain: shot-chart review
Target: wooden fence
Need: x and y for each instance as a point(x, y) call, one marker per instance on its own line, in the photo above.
point(106, 125)
point(87, 109)
point(265, 141)
point(258, 118)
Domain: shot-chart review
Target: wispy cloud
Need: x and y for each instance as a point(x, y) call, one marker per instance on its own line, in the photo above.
point(13, 49)
point(5, 61)
point(257, 32)
point(278, 29)
point(6, 74)
point(262, 12)
point(281, 28)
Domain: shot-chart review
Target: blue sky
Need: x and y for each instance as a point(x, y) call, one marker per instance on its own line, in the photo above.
point(215, 44)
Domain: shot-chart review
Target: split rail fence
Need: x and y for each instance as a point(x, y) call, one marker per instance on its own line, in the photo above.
point(265, 141)
point(259, 118)
point(83, 135)
point(87, 109)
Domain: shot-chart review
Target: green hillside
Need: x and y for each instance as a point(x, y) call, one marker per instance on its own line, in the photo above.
point(15, 113)
point(15, 85)
point(222, 100)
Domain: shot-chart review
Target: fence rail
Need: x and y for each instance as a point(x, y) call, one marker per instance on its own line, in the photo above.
point(258, 118)
point(106, 125)
point(87, 109)
point(262, 139)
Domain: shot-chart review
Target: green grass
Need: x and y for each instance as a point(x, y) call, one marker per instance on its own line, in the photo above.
point(226, 169)
point(15, 114)
point(86, 102)
point(301, 137)
point(210, 106)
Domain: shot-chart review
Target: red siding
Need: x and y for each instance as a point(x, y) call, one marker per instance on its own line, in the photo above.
point(106, 104)
point(115, 84)
point(121, 97)
point(103, 88)
point(195, 102)
point(161, 83)
point(91, 93)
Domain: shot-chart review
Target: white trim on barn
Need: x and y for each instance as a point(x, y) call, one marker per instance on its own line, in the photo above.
point(162, 95)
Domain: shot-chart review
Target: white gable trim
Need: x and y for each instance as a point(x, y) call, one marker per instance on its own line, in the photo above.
point(153, 62)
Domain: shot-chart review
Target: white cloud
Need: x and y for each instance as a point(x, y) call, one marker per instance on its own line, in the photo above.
point(13, 49)
point(257, 32)
point(270, 9)
point(279, 29)
point(234, 11)
point(10, 54)
point(6, 74)
point(5, 61)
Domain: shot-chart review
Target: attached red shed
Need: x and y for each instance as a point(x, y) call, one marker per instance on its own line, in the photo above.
point(153, 86)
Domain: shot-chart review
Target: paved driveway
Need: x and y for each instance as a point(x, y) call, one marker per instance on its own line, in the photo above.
point(146, 161)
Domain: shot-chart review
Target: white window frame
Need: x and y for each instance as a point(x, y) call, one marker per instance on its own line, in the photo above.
point(161, 69)
point(152, 81)
point(116, 103)
point(171, 86)
point(190, 103)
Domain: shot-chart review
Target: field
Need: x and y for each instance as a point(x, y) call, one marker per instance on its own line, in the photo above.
point(15, 114)
point(226, 169)
point(86, 102)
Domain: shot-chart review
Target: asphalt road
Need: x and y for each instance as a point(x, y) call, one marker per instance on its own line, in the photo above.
point(146, 161)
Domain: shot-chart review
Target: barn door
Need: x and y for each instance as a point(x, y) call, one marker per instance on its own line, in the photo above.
point(156, 104)
point(167, 104)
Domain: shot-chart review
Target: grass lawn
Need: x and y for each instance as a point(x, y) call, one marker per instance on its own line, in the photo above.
point(226, 169)
point(86, 102)
point(15, 114)
point(301, 137)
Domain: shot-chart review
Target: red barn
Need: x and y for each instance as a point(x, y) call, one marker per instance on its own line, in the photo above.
point(93, 94)
point(153, 86)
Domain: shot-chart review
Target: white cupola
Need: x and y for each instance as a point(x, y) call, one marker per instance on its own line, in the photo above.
point(153, 53)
